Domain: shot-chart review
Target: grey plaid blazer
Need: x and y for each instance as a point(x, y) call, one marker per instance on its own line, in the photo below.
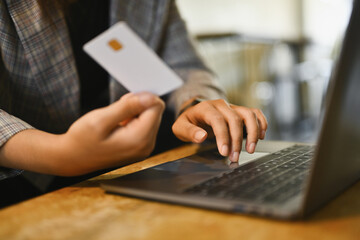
point(39, 86)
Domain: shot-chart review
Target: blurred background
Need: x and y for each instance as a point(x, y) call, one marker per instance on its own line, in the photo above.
point(274, 55)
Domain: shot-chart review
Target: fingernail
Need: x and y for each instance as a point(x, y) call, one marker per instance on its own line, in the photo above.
point(251, 148)
point(234, 157)
point(224, 150)
point(199, 136)
point(145, 99)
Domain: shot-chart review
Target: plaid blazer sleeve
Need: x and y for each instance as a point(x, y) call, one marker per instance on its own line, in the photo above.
point(9, 126)
point(179, 53)
point(7, 173)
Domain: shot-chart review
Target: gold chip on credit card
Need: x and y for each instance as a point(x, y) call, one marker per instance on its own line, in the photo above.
point(115, 44)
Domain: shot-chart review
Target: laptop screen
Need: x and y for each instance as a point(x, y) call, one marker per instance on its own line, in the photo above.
point(338, 156)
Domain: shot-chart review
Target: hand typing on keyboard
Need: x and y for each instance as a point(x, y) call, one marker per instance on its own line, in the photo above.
point(224, 121)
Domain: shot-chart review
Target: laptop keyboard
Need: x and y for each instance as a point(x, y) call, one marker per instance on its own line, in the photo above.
point(273, 178)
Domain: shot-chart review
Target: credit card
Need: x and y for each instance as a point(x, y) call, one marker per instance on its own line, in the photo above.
point(126, 57)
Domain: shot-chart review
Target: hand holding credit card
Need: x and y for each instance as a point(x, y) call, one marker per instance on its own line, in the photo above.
point(127, 58)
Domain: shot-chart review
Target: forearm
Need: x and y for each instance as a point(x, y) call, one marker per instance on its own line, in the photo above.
point(178, 52)
point(95, 141)
point(42, 152)
point(34, 150)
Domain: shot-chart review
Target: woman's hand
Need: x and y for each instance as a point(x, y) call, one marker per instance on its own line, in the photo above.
point(118, 134)
point(225, 122)
point(124, 131)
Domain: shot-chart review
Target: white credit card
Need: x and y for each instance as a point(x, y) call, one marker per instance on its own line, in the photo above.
point(126, 57)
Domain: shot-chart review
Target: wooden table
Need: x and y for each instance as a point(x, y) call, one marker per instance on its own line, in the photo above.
point(84, 211)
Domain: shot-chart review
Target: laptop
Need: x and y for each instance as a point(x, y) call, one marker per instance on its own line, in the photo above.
point(280, 180)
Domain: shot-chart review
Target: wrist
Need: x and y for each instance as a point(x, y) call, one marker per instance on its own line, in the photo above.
point(190, 103)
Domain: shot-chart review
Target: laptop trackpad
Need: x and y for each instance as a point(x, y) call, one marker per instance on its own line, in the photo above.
point(178, 175)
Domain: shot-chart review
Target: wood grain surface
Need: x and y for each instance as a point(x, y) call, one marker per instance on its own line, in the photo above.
point(86, 212)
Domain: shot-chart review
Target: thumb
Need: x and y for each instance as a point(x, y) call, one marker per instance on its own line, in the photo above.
point(127, 107)
point(188, 132)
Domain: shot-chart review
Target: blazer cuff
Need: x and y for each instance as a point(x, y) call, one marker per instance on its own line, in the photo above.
point(10, 125)
point(198, 84)
point(8, 173)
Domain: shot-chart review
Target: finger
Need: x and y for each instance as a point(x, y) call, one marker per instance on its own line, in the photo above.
point(128, 107)
point(204, 115)
point(235, 124)
point(252, 127)
point(144, 126)
point(212, 117)
point(263, 124)
point(188, 132)
point(139, 135)
point(148, 122)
